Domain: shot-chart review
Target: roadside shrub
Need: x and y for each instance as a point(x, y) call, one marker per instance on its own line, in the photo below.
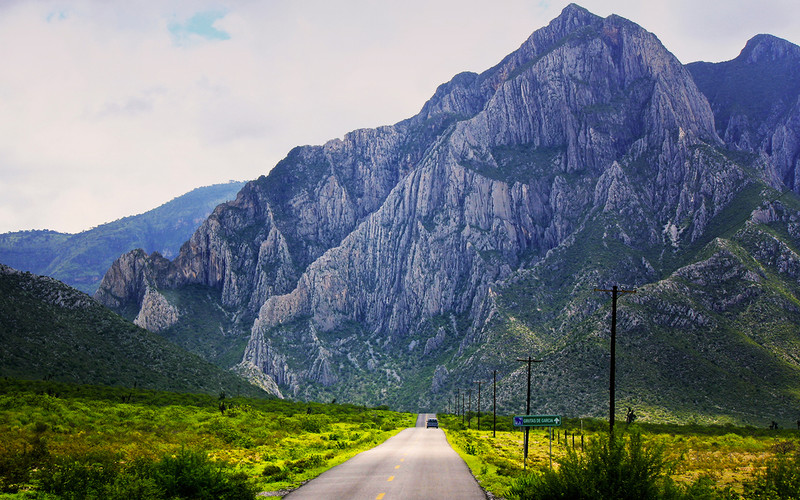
point(781, 480)
point(131, 486)
point(191, 474)
point(306, 463)
point(616, 468)
point(274, 473)
point(81, 476)
point(610, 468)
point(314, 423)
point(188, 474)
point(17, 459)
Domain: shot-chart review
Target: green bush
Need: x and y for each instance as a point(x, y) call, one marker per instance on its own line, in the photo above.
point(18, 459)
point(314, 423)
point(616, 468)
point(274, 473)
point(306, 463)
point(781, 480)
point(83, 476)
point(190, 474)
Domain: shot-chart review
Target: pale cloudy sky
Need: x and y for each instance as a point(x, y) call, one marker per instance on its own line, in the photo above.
point(111, 108)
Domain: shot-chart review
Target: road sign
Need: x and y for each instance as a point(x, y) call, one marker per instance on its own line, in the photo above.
point(537, 420)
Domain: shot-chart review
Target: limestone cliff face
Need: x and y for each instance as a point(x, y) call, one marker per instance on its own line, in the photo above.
point(258, 245)
point(515, 180)
point(134, 279)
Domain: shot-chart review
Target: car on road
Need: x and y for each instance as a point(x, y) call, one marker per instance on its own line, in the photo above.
point(432, 422)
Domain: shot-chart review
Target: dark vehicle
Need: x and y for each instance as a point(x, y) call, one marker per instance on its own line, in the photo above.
point(432, 422)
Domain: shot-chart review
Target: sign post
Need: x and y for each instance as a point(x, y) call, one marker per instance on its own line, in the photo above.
point(528, 407)
point(548, 421)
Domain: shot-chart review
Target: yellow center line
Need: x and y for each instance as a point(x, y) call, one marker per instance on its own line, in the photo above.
point(391, 478)
point(402, 459)
point(380, 497)
point(396, 466)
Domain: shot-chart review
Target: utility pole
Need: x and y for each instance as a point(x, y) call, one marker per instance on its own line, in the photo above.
point(479, 382)
point(458, 399)
point(529, 360)
point(469, 409)
point(615, 291)
point(494, 403)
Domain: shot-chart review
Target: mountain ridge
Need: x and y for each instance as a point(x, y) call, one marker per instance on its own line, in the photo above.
point(81, 259)
point(391, 266)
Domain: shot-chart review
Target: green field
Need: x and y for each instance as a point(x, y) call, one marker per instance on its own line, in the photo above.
point(79, 441)
point(719, 461)
point(70, 441)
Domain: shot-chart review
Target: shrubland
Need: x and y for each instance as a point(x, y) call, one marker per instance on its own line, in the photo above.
point(642, 460)
point(69, 441)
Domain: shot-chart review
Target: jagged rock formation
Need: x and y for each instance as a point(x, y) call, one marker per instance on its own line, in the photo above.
point(387, 266)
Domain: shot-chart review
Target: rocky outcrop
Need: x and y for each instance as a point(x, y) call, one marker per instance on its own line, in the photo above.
point(155, 312)
point(258, 378)
point(130, 277)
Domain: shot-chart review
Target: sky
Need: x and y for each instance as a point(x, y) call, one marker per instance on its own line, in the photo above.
point(112, 108)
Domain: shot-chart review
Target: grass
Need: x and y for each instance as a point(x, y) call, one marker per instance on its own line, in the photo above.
point(271, 445)
point(720, 458)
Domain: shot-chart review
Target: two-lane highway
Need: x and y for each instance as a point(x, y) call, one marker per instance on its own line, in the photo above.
point(417, 463)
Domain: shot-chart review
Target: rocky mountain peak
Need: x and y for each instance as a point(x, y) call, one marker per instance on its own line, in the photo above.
point(763, 48)
point(756, 102)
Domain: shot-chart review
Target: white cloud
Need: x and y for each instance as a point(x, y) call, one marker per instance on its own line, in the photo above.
point(111, 108)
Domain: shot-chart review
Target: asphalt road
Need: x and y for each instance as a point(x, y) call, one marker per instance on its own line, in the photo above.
point(417, 463)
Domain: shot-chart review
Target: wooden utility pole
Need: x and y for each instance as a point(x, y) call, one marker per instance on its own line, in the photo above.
point(494, 403)
point(469, 409)
point(529, 360)
point(479, 382)
point(615, 291)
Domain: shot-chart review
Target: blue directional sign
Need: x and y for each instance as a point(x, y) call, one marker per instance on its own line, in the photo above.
point(537, 420)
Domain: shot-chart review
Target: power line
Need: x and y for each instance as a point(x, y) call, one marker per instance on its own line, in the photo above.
point(479, 382)
point(494, 403)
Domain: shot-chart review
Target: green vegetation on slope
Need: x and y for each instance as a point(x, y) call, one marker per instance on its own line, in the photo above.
point(207, 328)
point(50, 331)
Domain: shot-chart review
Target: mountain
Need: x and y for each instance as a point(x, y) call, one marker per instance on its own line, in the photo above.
point(402, 263)
point(80, 260)
point(52, 331)
point(756, 101)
